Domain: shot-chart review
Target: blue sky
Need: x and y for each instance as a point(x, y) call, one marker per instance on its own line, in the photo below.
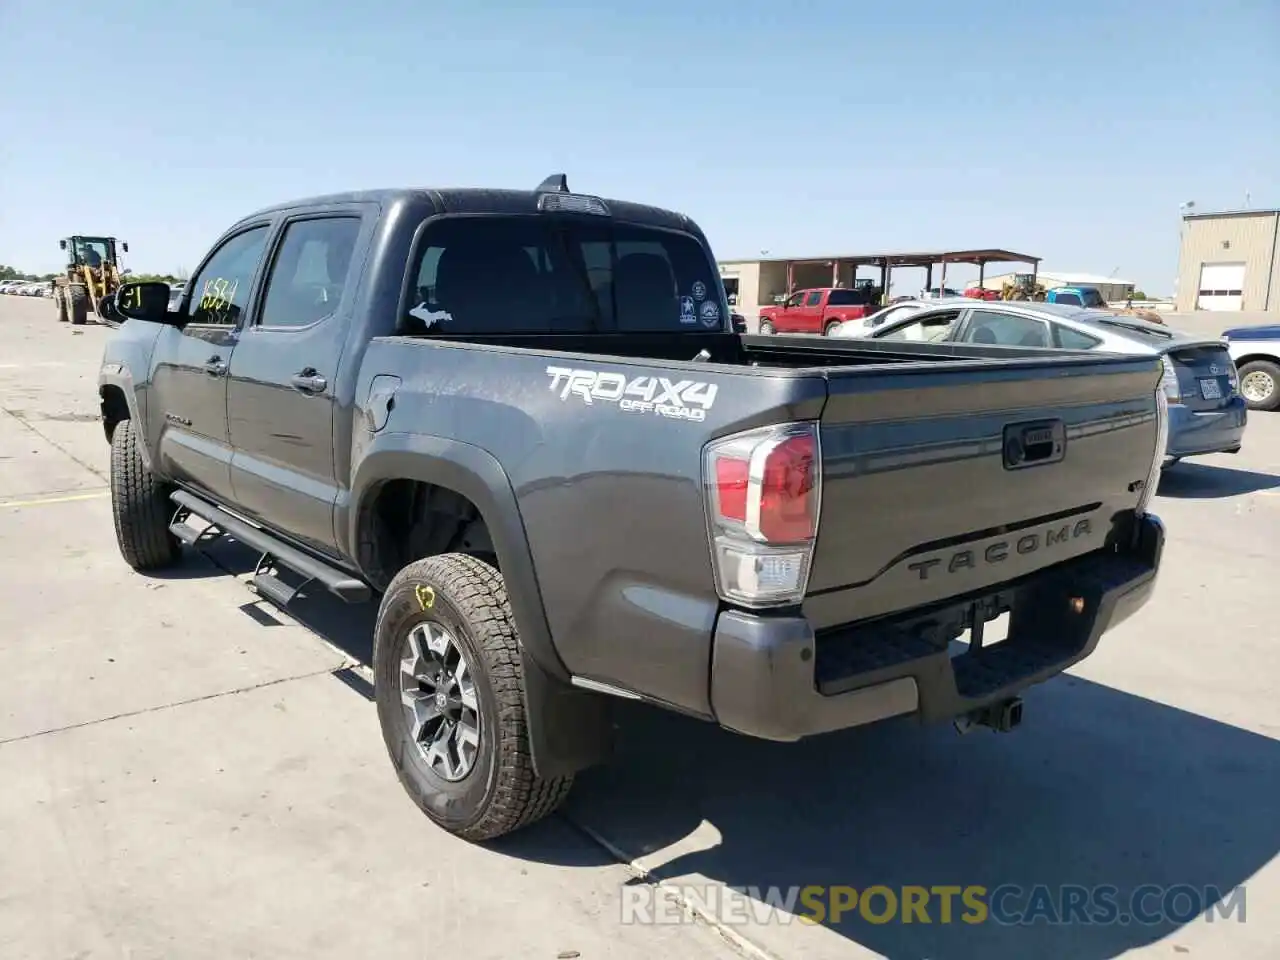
point(801, 127)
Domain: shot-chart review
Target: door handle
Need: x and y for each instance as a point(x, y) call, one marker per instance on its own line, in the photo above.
point(215, 366)
point(308, 381)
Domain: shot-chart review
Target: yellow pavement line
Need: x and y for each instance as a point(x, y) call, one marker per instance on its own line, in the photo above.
point(70, 498)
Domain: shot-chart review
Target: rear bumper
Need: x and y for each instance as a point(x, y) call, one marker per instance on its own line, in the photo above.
point(1193, 432)
point(773, 678)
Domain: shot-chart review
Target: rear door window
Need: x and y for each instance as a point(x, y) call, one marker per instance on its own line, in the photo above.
point(544, 274)
point(1006, 329)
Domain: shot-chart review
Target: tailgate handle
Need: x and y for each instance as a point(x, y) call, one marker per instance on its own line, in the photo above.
point(1033, 444)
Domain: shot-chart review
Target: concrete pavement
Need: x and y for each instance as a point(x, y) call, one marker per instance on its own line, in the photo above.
point(185, 772)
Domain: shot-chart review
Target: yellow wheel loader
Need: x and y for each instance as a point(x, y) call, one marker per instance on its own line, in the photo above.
point(90, 280)
point(1023, 287)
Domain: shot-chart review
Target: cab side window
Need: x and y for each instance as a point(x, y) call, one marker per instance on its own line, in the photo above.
point(814, 299)
point(310, 271)
point(220, 290)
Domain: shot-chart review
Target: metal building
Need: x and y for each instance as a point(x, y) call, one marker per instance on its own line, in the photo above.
point(1230, 261)
point(755, 283)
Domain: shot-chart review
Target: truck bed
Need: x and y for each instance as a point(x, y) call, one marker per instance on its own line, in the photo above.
point(919, 504)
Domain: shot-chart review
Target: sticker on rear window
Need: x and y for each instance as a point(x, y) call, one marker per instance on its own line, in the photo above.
point(710, 313)
point(699, 290)
point(686, 310)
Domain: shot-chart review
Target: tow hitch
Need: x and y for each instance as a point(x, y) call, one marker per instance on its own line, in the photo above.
point(1000, 717)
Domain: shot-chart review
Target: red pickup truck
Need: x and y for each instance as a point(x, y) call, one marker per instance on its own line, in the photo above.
point(818, 310)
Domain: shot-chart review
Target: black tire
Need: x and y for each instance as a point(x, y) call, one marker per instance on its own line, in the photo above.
point(140, 506)
point(1261, 370)
point(79, 298)
point(60, 303)
point(766, 328)
point(500, 793)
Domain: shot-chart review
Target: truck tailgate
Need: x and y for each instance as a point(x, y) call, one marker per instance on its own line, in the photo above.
point(941, 479)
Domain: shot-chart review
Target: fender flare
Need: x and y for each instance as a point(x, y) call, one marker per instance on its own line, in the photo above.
point(117, 375)
point(569, 728)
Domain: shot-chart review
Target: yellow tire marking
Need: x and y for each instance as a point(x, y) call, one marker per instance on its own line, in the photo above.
point(71, 498)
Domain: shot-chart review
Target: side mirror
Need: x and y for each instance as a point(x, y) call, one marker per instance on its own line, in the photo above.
point(739, 322)
point(62, 244)
point(144, 300)
point(124, 247)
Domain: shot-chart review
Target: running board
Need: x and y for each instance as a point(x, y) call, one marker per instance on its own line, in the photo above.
point(275, 553)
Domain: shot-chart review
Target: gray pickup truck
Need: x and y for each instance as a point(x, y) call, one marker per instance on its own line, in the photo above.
point(524, 419)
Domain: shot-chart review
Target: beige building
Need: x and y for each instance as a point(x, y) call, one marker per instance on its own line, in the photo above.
point(1229, 261)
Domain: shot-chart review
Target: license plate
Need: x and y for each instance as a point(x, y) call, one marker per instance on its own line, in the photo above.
point(1210, 390)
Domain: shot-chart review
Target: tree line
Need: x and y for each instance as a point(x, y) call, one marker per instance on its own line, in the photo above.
point(13, 273)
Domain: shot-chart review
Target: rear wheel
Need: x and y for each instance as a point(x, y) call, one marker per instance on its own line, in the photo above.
point(1260, 384)
point(60, 304)
point(449, 683)
point(830, 328)
point(79, 299)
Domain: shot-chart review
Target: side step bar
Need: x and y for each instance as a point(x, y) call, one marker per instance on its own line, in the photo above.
point(275, 552)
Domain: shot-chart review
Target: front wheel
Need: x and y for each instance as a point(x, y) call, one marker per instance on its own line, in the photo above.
point(1260, 384)
point(79, 299)
point(449, 684)
point(139, 505)
point(766, 327)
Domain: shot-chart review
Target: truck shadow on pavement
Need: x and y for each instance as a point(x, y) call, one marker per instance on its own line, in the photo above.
point(1098, 788)
point(1201, 481)
point(1099, 791)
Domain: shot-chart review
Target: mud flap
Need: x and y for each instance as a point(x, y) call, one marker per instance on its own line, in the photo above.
point(569, 729)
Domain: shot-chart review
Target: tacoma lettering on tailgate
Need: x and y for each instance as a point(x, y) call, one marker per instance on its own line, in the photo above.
point(999, 551)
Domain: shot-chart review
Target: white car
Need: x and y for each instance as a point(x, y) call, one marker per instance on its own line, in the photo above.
point(896, 312)
point(1256, 352)
point(1207, 413)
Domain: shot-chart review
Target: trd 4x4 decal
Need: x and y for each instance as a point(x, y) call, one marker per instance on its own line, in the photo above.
point(679, 400)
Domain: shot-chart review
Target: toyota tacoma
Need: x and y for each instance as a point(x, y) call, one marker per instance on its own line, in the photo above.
point(523, 422)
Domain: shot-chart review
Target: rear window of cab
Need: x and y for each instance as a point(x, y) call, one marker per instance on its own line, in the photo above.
point(547, 274)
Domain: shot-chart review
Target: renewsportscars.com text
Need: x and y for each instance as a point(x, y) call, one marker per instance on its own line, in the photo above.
point(1007, 904)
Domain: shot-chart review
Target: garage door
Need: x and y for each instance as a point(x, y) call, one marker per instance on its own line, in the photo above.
point(1221, 286)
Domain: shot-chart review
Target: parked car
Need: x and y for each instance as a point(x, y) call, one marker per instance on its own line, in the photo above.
point(1256, 352)
point(819, 310)
point(572, 485)
point(175, 294)
point(975, 292)
point(1207, 414)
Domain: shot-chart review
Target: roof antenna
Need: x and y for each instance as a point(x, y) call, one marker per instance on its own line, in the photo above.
point(556, 183)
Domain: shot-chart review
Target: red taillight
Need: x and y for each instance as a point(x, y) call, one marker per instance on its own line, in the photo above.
point(763, 490)
point(788, 499)
point(731, 487)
